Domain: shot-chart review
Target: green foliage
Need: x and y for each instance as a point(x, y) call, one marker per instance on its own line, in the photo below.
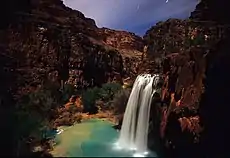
point(199, 40)
point(68, 91)
point(105, 93)
point(120, 100)
point(34, 111)
point(64, 95)
point(89, 98)
point(108, 90)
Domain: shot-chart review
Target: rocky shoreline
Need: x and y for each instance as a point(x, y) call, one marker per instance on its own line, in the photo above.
point(47, 146)
point(108, 116)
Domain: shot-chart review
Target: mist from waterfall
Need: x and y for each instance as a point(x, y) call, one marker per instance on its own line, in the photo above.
point(135, 125)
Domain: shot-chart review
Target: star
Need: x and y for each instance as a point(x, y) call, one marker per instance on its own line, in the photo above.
point(167, 1)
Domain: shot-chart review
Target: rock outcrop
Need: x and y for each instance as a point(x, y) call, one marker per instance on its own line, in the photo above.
point(43, 41)
point(57, 43)
point(214, 104)
point(69, 114)
point(184, 51)
point(122, 40)
point(49, 43)
point(130, 47)
point(213, 11)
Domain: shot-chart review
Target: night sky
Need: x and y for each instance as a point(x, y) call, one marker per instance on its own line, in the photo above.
point(132, 15)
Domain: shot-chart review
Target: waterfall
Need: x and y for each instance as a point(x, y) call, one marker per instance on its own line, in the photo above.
point(134, 130)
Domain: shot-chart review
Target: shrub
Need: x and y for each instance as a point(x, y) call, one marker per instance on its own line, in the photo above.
point(67, 92)
point(34, 111)
point(108, 91)
point(120, 100)
point(105, 93)
point(89, 98)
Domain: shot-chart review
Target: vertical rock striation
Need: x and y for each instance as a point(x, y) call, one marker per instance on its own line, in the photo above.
point(43, 41)
point(188, 53)
point(130, 47)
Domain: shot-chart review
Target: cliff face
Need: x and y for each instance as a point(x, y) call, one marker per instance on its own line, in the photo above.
point(129, 45)
point(122, 39)
point(43, 41)
point(58, 54)
point(184, 51)
point(53, 42)
point(210, 10)
point(180, 52)
point(214, 107)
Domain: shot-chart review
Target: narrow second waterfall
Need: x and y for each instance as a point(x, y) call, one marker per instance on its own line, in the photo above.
point(134, 130)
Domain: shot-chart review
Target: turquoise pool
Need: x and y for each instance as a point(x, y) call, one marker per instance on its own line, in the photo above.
point(92, 138)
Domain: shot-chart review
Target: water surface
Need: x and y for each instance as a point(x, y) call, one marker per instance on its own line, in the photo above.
point(92, 138)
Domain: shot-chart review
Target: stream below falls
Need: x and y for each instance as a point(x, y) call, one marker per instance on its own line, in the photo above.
point(91, 138)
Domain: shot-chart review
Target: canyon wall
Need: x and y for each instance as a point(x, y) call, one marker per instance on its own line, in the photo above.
point(214, 104)
point(55, 43)
point(129, 45)
point(188, 53)
point(44, 42)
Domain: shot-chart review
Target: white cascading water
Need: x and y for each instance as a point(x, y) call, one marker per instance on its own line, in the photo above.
point(134, 130)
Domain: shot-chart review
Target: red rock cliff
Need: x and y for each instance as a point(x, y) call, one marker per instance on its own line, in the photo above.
point(183, 51)
point(53, 42)
point(129, 45)
point(43, 41)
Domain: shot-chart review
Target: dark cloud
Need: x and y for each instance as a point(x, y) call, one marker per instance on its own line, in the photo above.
point(132, 15)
